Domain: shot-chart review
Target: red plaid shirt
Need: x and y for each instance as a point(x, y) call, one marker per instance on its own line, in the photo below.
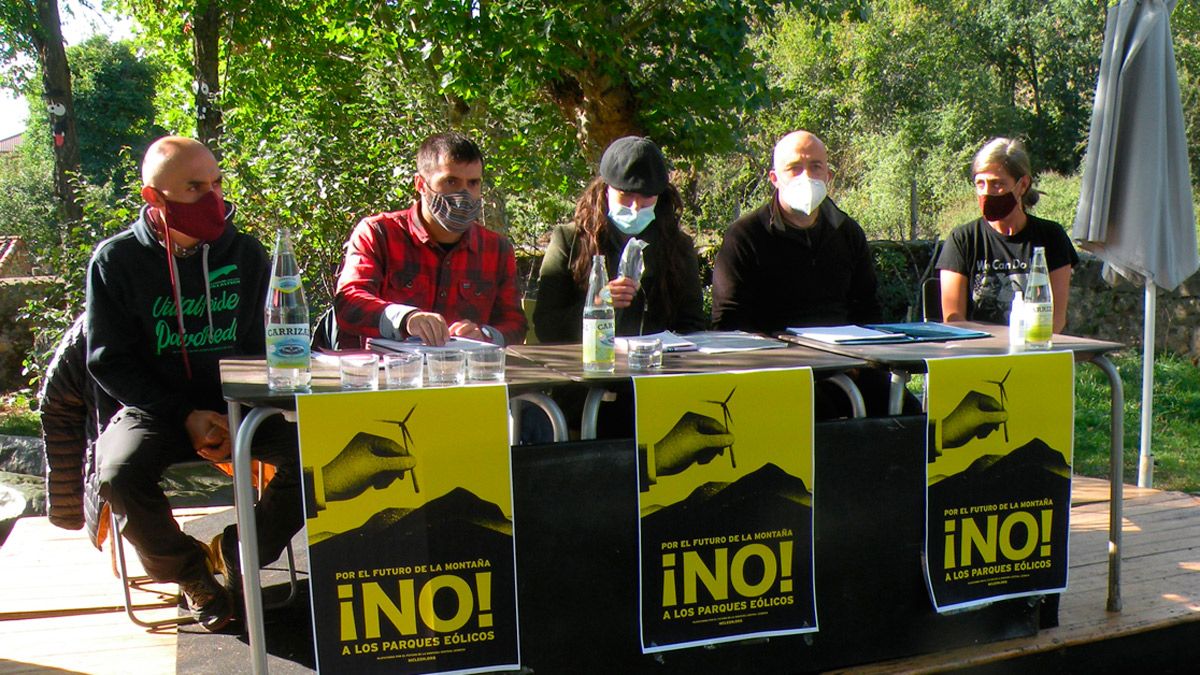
point(391, 259)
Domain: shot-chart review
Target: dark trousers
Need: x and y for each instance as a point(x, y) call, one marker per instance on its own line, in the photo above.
point(137, 447)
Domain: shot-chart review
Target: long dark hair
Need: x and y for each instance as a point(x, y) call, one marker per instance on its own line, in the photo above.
point(673, 246)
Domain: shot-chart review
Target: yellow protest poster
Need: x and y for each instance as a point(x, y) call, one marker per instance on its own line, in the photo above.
point(408, 495)
point(726, 506)
point(998, 478)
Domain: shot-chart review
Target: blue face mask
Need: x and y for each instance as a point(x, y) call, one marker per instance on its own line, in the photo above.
point(629, 220)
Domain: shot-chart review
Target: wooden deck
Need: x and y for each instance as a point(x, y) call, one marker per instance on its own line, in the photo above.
point(60, 606)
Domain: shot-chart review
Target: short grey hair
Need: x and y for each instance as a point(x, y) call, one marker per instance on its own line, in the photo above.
point(1008, 154)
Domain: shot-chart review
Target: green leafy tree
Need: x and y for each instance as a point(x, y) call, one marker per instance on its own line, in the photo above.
point(31, 31)
point(114, 103)
point(324, 103)
point(905, 97)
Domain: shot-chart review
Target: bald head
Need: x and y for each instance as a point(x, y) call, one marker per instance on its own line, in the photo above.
point(171, 155)
point(798, 151)
point(180, 170)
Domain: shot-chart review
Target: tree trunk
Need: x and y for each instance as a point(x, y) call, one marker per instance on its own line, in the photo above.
point(601, 110)
point(56, 87)
point(206, 42)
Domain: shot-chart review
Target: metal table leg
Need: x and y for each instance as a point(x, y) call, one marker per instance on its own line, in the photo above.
point(857, 405)
point(558, 420)
point(896, 393)
point(1116, 478)
point(591, 410)
point(243, 493)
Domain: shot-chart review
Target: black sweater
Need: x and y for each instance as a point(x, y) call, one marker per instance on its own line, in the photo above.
point(769, 276)
point(133, 337)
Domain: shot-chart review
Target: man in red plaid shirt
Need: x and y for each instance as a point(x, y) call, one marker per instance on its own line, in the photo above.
point(431, 271)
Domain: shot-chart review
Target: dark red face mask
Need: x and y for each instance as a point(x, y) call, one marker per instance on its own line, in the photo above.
point(203, 219)
point(996, 207)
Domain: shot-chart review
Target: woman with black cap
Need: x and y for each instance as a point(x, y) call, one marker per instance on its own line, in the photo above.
point(630, 198)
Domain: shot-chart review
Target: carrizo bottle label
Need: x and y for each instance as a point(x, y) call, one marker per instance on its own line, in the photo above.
point(598, 341)
point(287, 345)
point(286, 284)
point(1041, 323)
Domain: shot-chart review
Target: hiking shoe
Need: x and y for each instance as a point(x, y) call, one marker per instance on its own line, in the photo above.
point(223, 560)
point(208, 602)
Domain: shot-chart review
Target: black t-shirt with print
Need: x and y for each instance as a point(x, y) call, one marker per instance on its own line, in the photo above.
point(996, 265)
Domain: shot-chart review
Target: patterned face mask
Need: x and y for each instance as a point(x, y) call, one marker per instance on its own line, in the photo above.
point(456, 211)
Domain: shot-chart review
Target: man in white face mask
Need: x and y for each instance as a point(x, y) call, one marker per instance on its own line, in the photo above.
point(798, 260)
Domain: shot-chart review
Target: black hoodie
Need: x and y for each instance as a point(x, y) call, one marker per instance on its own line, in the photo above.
point(132, 327)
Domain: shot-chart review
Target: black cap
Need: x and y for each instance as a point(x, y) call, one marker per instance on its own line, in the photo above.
point(634, 164)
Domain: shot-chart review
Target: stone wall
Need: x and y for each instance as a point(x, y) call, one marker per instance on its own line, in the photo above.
point(1116, 312)
point(16, 335)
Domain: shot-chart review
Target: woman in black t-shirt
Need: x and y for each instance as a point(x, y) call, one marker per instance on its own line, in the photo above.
point(986, 260)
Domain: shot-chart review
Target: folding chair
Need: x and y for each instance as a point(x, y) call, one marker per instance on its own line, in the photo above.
point(144, 583)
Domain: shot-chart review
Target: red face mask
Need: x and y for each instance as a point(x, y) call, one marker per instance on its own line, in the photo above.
point(203, 219)
point(996, 207)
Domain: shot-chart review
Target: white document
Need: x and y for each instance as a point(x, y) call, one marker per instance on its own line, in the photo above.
point(720, 342)
point(842, 334)
point(671, 342)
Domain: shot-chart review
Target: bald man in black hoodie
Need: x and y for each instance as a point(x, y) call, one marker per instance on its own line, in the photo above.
point(158, 324)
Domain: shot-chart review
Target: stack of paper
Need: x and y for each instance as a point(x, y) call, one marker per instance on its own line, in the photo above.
point(671, 342)
point(720, 342)
point(837, 335)
point(918, 331)
point(386, 346)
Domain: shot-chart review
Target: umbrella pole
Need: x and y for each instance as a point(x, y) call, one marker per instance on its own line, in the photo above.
point(1146, 454)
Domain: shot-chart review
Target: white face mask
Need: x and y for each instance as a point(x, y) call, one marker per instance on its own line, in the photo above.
point(803, 194)
point(628, 219)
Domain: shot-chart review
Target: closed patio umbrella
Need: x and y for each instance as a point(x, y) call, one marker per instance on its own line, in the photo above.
point(1135, 206)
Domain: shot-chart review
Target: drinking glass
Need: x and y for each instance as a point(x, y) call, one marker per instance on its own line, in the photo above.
point(359, 371)
point(404, 370)
point(645, 354)
point(445, 367)
point(485, 364)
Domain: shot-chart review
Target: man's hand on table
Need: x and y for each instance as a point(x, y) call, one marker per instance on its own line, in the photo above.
point(468, 329)
point(429, 326)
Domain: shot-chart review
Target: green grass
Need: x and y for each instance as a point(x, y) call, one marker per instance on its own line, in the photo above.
point(16, 417)
point(1176, 427)
point(1176, 424)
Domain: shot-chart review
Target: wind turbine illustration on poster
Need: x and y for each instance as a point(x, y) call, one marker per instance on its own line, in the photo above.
point(728, 420)
point(1003, 398)
point(405, 439)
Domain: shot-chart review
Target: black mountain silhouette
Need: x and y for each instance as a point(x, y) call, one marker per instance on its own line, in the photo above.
point(455, 526)
point(768, 482)
point(1018, 464)
point(765, 500)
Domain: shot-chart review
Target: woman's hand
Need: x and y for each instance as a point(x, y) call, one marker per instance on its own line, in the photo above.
point(622, 289)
